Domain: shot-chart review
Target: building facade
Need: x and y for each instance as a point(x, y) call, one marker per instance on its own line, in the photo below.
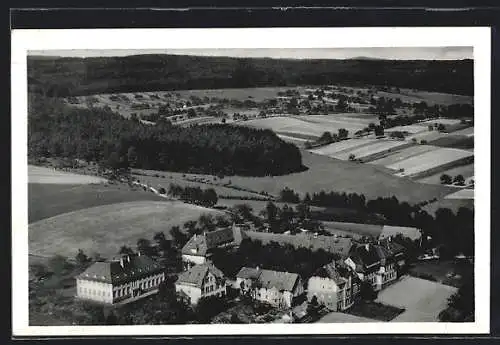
point(279, 289)
point(120, 281)
point(200, 281)
point(335, 286)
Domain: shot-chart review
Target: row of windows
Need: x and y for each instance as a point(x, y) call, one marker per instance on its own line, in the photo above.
point(145, 285)
point(210, 288)
point(93, 292)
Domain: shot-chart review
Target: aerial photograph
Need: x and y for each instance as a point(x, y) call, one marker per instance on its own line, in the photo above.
point(250, 186)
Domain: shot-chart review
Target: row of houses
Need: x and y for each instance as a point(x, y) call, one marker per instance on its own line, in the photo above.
point(335, 285)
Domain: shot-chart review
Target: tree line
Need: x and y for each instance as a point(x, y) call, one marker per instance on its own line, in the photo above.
point(195, 195)
point(454, 231)
point(77, 76)
point(101, 135)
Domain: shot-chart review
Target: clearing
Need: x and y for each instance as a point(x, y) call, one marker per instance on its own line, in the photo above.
point(426, 300)
point(335, 148)
point(462, 194)
point(38, 174)
point(104, 229)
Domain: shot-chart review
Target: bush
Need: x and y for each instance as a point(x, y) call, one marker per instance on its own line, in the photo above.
point(162, 190)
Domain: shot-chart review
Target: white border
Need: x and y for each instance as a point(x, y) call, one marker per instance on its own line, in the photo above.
point(24, 40)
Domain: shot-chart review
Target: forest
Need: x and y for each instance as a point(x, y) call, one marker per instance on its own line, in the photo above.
point(100, 135)
point(62, 77)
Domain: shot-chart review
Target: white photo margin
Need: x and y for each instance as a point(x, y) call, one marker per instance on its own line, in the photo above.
point(63, 39)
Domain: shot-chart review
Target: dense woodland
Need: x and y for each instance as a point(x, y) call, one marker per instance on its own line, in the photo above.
point(83, 76)
point(100, 135)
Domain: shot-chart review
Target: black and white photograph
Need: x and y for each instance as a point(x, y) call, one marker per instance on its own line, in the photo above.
point(175, 186)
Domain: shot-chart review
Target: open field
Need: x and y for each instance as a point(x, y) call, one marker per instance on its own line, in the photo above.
point(427, 136)
point(431, 161)
point(462, 194)
point(403, 154)
point(412, 129)
point(469, 131)
point(431, 98)
point(330, 174)
point(339, 120)
point(354, 228)
point(466, 171)
point(38, 174)
point(409, 232)
point(104, 229)
point(454, 141)
point(257, 94)
point(157, 182)
point(426, 300)
point(48, 200)
point(453, 204)
point(376, 149)
point(446, 122)
point(342, 146)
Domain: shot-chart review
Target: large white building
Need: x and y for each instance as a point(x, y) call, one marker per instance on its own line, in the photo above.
point(200, 281)
point(279, 289)
point(335, 286)
point(120, 281)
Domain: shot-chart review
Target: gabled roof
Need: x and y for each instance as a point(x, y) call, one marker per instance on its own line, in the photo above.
point(249, 273)
point(196, 274)
point(281, 281)
point(201, 244)
point(113, 272)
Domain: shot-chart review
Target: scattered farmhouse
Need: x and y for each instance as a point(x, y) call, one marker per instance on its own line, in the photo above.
point(201, 281)
point(198, 249)
point(377, 263)
point(120, 281)
point(279, 289)
point(335, 286)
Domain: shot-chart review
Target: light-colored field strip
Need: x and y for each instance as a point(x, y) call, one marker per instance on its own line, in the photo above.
point(389, 230)
point(38, 174)
point(341, 146)
point(377, 147)
point(292, 139)
point(467, 171)
point(403, 154)
point(441, 121)
point(427, 135)
point(422, 299)
point(461, 194)
point(429, 160)
point(416, 128)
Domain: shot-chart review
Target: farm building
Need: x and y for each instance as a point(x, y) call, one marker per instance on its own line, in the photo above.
point(197, 250)
point(279, 289)
point(377, 263)
point(201, 281)
point(331, 244)
point(335, 285)
point(120, 281)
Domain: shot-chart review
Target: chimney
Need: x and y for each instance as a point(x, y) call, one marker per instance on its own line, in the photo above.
point(121, 262)
point(367, 246)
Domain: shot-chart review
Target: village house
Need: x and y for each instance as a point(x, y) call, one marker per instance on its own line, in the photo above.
point(279, 289)
point(377, 263)
point(120, 281)
point(201, 281)
point(198, 249)
point(335, 286)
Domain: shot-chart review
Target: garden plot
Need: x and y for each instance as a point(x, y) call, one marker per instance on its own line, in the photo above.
point(462, 194)
point(422, 299)
point(432, 162)
point(341, 146)
point(377, 148)
point(403, 154)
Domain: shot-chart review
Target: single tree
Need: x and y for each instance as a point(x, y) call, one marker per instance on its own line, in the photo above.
point(445, 179)
point(459, 180)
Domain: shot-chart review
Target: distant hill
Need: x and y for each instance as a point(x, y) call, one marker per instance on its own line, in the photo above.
point(82, 76)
